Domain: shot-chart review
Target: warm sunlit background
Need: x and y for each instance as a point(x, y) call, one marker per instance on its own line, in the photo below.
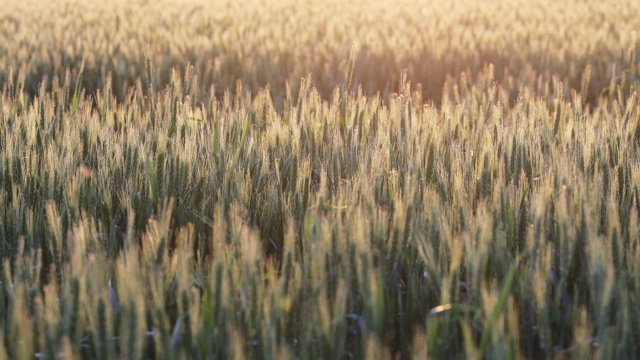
point(275, 42)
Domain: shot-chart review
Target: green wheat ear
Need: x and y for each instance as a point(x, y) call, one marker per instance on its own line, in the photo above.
point(153, 182)
point(245, 133)
point(76, 89)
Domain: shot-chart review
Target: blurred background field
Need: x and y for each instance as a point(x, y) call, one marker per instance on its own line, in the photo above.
point(194, 179)
point(278, 42)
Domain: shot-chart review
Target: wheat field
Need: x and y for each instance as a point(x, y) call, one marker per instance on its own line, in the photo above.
point(319, 179)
